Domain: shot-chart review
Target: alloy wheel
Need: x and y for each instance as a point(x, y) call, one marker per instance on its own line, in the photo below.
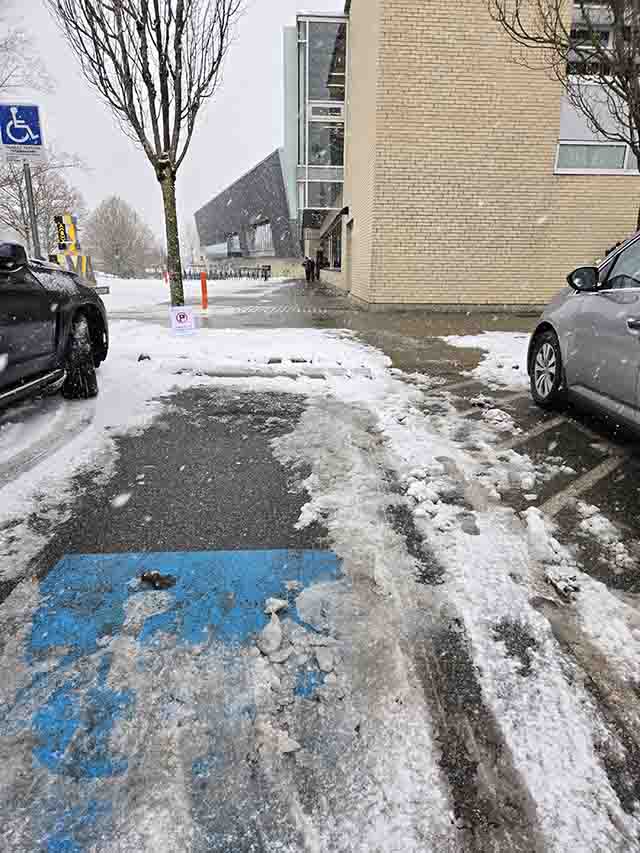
point(545, 368)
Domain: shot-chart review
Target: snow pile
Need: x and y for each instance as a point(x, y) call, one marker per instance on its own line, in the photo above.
point(501, 421)
point(612, 626)
point(505, 362)
point(597, 526)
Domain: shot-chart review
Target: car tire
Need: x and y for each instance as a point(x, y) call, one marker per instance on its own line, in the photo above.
point(81, 382)
point(548, 387)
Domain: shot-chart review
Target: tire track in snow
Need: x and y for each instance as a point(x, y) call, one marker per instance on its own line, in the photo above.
point(614, 700)
point(38, 452)
point(492, 805)
point(589, 729)
point(386, 790)
point(550, 724)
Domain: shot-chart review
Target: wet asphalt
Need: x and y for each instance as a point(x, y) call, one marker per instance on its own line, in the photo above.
point(201, 478)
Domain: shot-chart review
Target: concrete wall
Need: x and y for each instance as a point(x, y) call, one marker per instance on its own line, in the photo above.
point(290, 91)
point(450, 165)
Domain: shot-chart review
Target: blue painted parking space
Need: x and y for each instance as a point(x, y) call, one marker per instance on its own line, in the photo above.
point(107, 652)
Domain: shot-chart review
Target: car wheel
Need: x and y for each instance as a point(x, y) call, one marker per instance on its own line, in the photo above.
point(81, 382)
point(547, 376)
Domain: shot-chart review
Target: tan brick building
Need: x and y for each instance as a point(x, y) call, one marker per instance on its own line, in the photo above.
point(450, 173)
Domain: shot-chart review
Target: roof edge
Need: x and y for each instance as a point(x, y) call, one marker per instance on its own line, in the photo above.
point(241, 178)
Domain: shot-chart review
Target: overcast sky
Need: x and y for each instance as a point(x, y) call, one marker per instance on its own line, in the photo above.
point(235, 131)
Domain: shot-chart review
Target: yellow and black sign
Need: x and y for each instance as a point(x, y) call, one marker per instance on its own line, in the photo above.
point(67, 231)
point(80, 264)
point(68, 255)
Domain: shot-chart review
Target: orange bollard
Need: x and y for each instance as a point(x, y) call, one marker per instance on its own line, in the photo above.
point(205, 294)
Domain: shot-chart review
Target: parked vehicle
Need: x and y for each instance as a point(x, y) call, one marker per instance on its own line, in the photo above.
point(53, 329)
point(587, 344)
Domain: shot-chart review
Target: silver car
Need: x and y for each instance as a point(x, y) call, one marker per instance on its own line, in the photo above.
point(587, 344)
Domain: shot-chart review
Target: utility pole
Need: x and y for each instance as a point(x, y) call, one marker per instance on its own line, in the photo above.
point(32, 211)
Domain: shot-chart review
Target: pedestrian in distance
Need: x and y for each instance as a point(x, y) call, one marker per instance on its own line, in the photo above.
point(308, 269)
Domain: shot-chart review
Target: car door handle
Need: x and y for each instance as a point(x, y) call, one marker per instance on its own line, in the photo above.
point(634, 324)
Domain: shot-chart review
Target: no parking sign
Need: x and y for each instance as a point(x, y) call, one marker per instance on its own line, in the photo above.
point(183, 320)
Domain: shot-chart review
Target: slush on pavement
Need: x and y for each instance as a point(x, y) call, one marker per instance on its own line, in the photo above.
point(267, 591)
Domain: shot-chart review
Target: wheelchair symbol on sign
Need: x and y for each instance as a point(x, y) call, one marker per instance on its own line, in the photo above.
point(18, 130)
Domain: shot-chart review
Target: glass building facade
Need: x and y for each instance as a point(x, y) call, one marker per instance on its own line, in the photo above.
point(322, 82)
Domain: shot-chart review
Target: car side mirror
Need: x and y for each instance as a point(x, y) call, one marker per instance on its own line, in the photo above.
point(584, 279)
point(12, 257)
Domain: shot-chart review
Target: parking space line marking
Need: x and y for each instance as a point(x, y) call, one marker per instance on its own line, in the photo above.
point(557, 503)
point(597, 437)
point(498, 403)
point(519, 440)
point(517, 396)
point(458, 385)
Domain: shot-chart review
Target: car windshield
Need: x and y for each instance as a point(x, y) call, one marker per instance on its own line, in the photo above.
point(319, 418)
point(625, 271)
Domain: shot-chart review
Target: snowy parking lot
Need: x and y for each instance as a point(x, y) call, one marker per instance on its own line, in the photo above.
point(451, 664)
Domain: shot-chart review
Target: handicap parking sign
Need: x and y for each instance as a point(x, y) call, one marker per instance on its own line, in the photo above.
point(21, 132)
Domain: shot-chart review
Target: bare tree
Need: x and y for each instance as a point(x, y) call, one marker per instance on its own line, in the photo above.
point(154, 62)
point(593, 49)
point(20, 66)
point(53, 193)
point(119, 241)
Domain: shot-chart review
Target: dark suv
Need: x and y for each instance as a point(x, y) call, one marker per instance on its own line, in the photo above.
point(53, 329)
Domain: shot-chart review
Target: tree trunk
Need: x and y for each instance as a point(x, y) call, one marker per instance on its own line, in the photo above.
point(174, 266)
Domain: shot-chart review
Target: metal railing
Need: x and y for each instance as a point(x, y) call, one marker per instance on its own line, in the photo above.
point(260, 273)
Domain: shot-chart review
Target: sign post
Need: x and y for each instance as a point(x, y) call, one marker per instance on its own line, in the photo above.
point(22, 142)
point(205, 293)
point(33, 221)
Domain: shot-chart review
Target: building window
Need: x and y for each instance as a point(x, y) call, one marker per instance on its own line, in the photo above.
point(591, 157)
point(233, 246)
point(327, 112)
point(326, 144)
point(327, 61)
point(322, 66)
point(260, 239)
point(302, 196)
point(585, 42)
point(584, 38)
point(302, 103)
point(217, 250)
point(332, 246)
point(335, 247)
point(323, 194)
